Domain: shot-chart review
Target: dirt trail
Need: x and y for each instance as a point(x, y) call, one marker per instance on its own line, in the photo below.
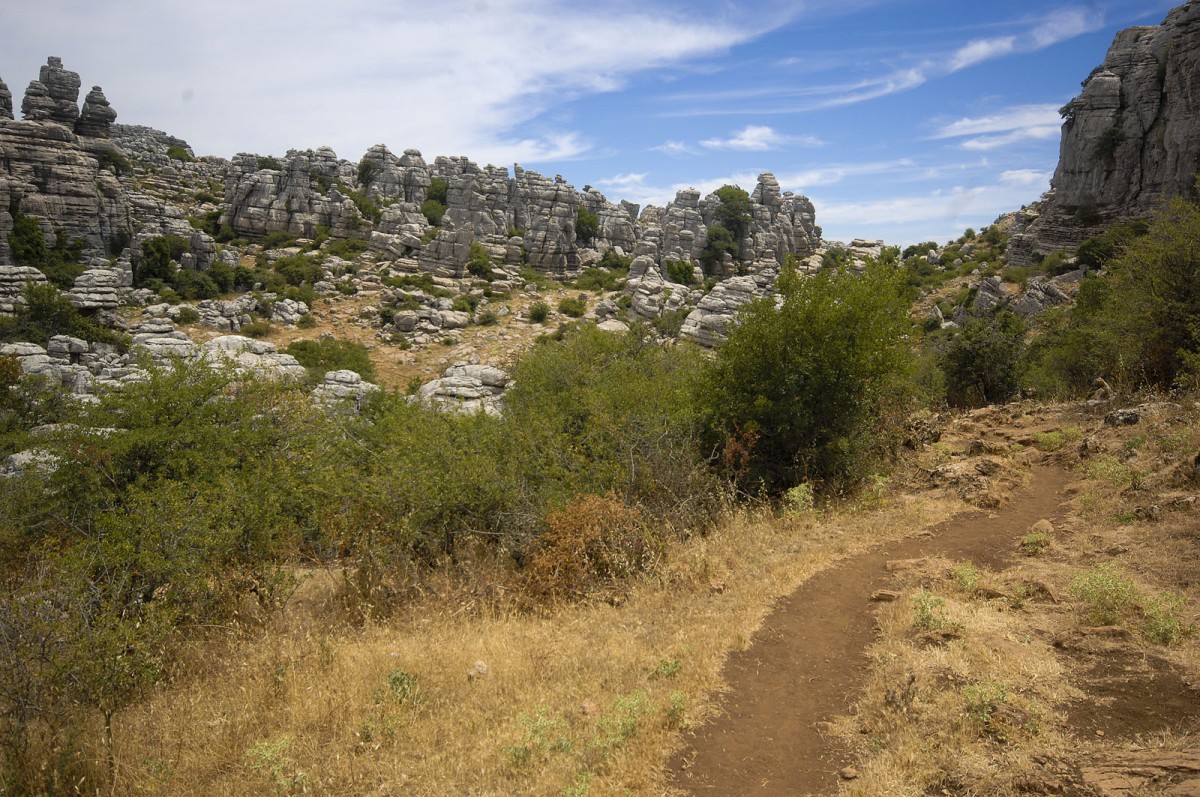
point(806, 663)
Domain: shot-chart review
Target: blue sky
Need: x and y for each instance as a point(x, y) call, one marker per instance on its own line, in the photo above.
point(905, 120)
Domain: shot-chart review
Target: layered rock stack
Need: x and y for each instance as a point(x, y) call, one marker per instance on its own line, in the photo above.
point(1130, 140)
point(97, 116)
point(6, 106)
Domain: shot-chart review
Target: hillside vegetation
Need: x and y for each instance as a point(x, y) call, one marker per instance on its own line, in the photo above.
point(213, 584)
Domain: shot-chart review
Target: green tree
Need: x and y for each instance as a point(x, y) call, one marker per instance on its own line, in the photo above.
point(720, 241)
point(810, 390)
point(984, 361)
point(587, 225)
point(733, 210)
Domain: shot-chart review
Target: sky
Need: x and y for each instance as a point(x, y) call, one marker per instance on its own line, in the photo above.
point(903, 120)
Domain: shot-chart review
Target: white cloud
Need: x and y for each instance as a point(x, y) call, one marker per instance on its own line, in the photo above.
point(1035, 133)
point(1023, 177)
point(625, 182)
point(462, 76)
point(1066, 24)
point(1015, 117)
point(956, 208)
point(982, 50)
point(674, 148)
point(759, 138)
point(831, 175)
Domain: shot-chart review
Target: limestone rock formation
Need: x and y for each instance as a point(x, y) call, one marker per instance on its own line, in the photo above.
point(6, 106)
point(1130, 140)
point(344, 389)
point(54, 95)
point(467, 389)
point(48, 173)
point(95, 121)
point(708, 325)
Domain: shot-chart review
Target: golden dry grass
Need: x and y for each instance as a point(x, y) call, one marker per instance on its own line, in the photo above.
point(587, 698)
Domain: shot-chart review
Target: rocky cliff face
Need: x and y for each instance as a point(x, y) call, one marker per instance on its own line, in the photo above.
point(1130, 140)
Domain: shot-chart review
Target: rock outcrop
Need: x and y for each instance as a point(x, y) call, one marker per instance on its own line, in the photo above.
point(97, 116)
point(1130, 140)
point(6, 106)
point(467, 389)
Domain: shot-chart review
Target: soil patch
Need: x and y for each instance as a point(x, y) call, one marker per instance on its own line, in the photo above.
point(806, 663)
point(1131, 694)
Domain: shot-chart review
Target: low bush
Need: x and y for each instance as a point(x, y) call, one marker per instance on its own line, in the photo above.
point(1107, 593)
point(179, 153)
point(593, 541)
point(538, 312)
point(573, 306)
point(328, 353)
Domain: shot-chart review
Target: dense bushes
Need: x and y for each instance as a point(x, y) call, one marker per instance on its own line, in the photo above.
point(328, 353)
point(1138, 325)
point(809, 391)
point(60, 263)
point(984, 361)
point(46, 313)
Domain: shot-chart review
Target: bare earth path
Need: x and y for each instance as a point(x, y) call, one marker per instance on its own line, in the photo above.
point(806, 663)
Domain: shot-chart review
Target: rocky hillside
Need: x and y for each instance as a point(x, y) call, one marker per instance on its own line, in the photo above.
point(1130, 139)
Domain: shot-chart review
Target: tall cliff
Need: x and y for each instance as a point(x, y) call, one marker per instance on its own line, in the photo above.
point(1130, 140)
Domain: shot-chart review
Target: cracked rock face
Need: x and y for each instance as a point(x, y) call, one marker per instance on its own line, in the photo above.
point(1130, 140)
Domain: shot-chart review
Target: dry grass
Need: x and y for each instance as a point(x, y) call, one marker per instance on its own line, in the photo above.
point(587, 698)
point(985, 712)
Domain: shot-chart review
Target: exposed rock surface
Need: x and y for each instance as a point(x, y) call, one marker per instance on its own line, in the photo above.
point(1130, 140)
point(48, 172)
point(709, 323)
point(344, 389)
point(467, 389)
point(97, 116)
point(6, 106)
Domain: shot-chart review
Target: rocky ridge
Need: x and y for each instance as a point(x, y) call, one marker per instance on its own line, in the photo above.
point(1129, 140)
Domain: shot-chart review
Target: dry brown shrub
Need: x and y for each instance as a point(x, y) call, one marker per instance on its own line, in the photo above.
point(592, 542)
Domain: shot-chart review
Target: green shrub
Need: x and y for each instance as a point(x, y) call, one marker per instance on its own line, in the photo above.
point(670, 322)
point(1107, 593)
point(180, 154)
point(328, 353)
point(791, 398)
point(299, 269)
point(984, 361)
point(1034, 543)
point(438, 188)
point(158, 257)
point(112, 159)
point(367, 172)
point(1162, 622)
point(269, 163)
point(479, 262)
point(187, 315)
point(28, 245)
point(433, 211)
point(615, 263)
point(46, 313)
point(256, 329)
point(719, 242)
point(587, 226)
point(681, 272)
point(598, 279)
point(539, 311)
point(278, 239)
point(573, 306)
point(733, 210)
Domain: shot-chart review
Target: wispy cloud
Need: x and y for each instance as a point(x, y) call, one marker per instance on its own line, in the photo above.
point(759, 138)
point(1006, 127)
point(914, 70)
point(981, 50)
point(831, 175)
point(675, 148)
point(1023, 177)
point(487, 101)
point(1066, 23)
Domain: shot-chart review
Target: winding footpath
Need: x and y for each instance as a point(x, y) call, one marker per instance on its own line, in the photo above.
point(806, 664)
